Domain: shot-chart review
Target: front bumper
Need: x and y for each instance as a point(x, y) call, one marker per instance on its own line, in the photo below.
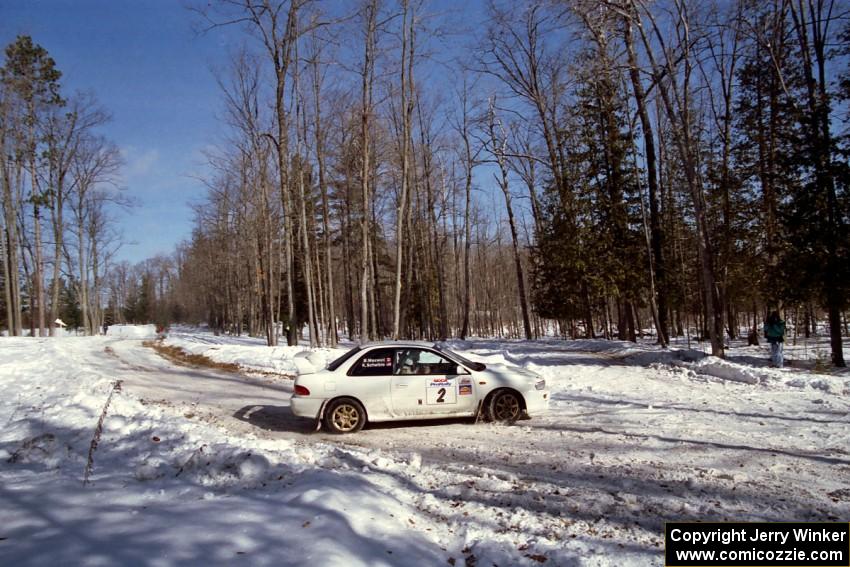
point(536, 402)
point(306, 407)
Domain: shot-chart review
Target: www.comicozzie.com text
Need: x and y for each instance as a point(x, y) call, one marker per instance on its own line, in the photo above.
point(756, 534)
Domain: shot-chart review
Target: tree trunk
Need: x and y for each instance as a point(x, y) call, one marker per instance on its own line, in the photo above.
point(499, 151)
point(280, 50)
point(407, 112)
point(659, 293)
point(679, 115)
point(366, 170)
point(58, 233)
point(10, 257)
point(333, 338)
point(813, 50)
point(38, 269)
point(467, 227)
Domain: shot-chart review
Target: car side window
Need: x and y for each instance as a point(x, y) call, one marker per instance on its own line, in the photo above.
point(426, 362)
point(378, 362)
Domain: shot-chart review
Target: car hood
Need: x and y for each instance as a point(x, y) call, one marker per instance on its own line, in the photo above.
point(511, 372)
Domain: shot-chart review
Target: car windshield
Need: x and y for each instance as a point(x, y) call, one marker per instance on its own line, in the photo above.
point(477, 366)
point(338, 362)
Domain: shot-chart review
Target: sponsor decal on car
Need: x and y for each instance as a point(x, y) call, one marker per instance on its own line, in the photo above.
point(464, 390)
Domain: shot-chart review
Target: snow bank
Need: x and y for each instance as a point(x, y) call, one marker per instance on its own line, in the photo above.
point(668, 356)
point(719, 368)
point(251, 353)
point(58, 332)
point(697, 363)
point(132, 331)
point(542, 347)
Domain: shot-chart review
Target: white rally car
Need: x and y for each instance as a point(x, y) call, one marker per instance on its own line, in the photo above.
point(412, 380)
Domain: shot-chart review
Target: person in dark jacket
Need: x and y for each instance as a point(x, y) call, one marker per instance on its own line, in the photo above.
point(774, 332)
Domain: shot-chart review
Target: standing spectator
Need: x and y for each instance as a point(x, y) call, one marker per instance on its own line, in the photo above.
point(774, 332)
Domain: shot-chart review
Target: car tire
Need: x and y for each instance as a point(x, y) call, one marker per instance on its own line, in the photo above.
point(344, 415)
point(504, 406)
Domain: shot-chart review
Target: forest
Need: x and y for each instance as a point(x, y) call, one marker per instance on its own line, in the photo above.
point(390, 169)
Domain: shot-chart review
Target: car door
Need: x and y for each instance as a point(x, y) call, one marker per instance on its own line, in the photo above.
point(369, 380)
point(426, 383)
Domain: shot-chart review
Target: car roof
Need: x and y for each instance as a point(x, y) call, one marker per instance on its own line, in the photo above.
point(391, 344)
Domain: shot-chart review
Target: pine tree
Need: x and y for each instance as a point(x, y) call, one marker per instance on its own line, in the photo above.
point(69, 309)
point(767, 126)
point(31, 81)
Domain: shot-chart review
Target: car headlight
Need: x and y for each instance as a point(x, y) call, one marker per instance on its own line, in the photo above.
point(540, 385)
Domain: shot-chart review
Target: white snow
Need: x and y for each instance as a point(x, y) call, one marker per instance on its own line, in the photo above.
point(132, 331)
point(203, 466)
point(249, 353)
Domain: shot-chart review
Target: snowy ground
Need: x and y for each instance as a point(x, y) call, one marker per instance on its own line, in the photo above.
point(202, 466)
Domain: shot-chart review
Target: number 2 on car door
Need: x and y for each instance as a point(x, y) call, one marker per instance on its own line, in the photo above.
point(441, 391)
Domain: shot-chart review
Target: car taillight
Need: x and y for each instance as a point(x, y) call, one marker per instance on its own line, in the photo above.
point(301, 391)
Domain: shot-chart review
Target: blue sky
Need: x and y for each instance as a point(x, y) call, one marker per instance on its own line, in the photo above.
point(147, 65)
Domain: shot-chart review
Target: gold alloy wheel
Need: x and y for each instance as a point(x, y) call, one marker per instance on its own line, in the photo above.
point(506, 407)
point(345, 417)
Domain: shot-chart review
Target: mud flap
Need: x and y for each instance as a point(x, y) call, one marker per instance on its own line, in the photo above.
point(479, 411)
point(320, 416)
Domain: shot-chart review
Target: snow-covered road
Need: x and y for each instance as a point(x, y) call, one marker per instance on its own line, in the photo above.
point(202, 465)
